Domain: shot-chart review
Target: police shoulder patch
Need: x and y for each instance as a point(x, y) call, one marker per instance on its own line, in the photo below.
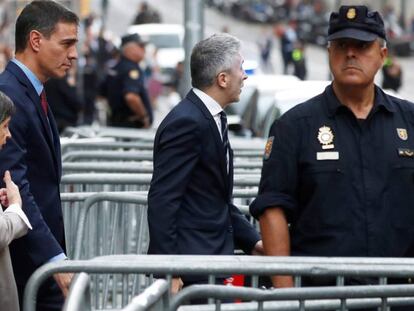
point(268, 147)
point(134, 74)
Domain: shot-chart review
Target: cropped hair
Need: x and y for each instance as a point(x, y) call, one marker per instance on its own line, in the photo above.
point(211, 56)
point(43, 16)
point(6, 107)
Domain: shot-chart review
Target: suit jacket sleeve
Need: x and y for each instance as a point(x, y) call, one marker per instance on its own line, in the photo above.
point(11, 227)
point(40, 243)
point(245, 235)
point(176, 152)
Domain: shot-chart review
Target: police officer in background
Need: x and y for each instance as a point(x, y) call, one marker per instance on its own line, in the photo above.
point(339, 168)
point(125, 89)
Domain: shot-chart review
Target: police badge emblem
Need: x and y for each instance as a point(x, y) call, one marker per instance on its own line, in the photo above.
point(402, 133)
point(268, 147)
point(325, 137)
point(351, 14)
point(134, 74)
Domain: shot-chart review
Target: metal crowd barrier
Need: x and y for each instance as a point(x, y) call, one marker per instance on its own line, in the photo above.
point(117, 133)
point(299, 299)
point(130, 134)
point(99, 155)
point(105, 223)
point(119, 228)
point(131, 182)
point(95, 182)
point(141, 167)
point(139, 155)
point(167, 266)
point(79, 297)
point(119, 146)
point(73, 203)
point(82, 144)
point(154, 298)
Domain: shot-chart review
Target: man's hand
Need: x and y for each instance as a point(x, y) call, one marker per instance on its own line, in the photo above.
point(10, 194)
point(63, 280)
point(258, 249)
point(176, 285)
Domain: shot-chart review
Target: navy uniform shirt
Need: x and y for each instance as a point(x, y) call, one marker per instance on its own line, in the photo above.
point(126, 76)
point(346, 185)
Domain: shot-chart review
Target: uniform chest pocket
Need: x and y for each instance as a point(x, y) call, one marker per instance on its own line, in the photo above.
point(321, 188)
point(321, 177)
point(399, 194)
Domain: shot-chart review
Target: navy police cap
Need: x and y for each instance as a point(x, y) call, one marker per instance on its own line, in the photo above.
point(132, 38)
point(356, 22)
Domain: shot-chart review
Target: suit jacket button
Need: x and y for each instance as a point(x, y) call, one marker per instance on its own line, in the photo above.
point(230, 229)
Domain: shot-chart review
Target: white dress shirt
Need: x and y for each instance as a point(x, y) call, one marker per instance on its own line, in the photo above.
point(215, 109)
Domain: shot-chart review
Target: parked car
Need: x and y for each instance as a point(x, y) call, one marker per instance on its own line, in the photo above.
point(257, 97)
point(286, 99)
point(168, 41)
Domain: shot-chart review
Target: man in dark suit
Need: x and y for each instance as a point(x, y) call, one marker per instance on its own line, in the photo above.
point(190, 209)
point(46, 36)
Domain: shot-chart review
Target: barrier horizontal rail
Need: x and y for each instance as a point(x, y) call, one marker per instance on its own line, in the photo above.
point(118, 133)
point(96, 155)
point(325, 305)
point(300, 295)
point(244, 180)
point(98, 145)
point(81, 196)
point(114, 132)
point(254, 266)
point(110, 167)
point(140, 167)
point(87, 144)
point(137, 155)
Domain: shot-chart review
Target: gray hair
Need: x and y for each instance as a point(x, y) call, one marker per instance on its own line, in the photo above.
point(6, 107)
point(212, 56)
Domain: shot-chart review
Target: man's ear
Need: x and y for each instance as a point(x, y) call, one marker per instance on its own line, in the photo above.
point(222, 79)
point(384, 54)
point(35, 40)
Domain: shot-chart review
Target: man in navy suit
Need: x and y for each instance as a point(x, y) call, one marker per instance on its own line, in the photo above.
point(46, 36)
point(190, 209)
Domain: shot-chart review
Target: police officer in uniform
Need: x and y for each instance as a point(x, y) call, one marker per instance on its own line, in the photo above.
point(125, 87)
point(339, 168)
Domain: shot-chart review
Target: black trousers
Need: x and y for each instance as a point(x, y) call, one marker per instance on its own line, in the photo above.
point(49, 298)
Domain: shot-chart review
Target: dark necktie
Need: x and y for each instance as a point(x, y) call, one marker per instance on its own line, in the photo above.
point(225, 132)
point(43, 101)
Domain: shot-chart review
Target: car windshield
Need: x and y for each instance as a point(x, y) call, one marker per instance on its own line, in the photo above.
point(163, 41)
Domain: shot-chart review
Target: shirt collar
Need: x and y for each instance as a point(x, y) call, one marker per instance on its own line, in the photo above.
point(333, 104)
point(213, 107)
point(30, 75)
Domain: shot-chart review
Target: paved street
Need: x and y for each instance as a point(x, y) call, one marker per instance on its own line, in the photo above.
point(122, 12)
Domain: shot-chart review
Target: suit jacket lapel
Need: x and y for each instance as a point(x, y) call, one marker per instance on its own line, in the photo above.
point(217, 138)
point(48, 129)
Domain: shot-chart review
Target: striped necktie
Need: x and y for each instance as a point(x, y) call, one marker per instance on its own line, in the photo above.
point(225, 136)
